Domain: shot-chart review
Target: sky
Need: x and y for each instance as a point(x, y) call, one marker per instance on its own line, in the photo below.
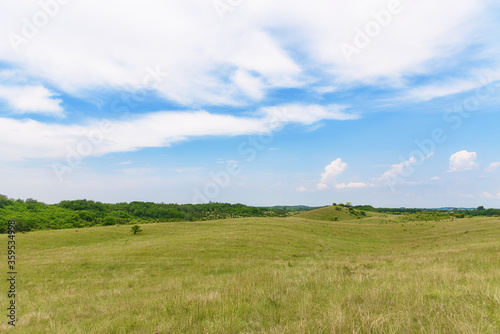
point(387, 103)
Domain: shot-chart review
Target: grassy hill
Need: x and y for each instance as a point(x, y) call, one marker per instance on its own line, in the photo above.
point(340, 213)
point(261, 275)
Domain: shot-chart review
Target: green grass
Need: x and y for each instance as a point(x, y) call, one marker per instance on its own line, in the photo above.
point(261, 275)
point(329, 213)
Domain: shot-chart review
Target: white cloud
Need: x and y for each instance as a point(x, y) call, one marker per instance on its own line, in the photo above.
point(302, 189)
point(23, 139)
point(398, 173)
point(351, 185)
point(250, 85)
point(492, 167)
point(252, 45)
point(188, 169)
point(325, 89)
point(462, 161)
point(434, 178)
point(478, 80)
point(489, 195)
point(398, 170)
point(128, 162)
point(137, 171)
point(306, 114)
point(426, 93)
point(31, 99)
point(333, 169)
point(328, 178)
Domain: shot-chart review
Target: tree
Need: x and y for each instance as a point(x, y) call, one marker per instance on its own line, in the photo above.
point(109, 220)
point(136, 228)
point(480, 208)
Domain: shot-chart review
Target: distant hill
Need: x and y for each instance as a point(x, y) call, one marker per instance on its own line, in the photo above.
point(292, 207)
point(337, 213)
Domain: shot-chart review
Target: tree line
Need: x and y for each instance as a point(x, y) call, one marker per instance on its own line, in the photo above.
point(31, 214)
point(455, 212)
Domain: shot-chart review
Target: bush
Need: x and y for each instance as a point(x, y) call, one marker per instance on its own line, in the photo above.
point(136, 229)
point(109, 220)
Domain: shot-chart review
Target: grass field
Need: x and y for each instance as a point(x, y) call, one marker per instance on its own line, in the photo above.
point(261, 275)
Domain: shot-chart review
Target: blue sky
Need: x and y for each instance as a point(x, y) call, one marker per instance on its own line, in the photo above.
point(388, 103)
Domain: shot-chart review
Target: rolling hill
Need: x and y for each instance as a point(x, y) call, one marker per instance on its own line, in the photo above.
point(340, 213)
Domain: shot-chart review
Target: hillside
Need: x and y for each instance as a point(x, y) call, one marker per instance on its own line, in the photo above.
point(260, 275)
point(339, 213)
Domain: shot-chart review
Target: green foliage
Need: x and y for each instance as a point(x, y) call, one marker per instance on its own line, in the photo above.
point(36, 215)
point(109, 220)
point(365, 208)
point(4, 201)
point(136, 229)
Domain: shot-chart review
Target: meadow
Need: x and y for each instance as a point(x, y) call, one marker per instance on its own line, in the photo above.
point(302, 274)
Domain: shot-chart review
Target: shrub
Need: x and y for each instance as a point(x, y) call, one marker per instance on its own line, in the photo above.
point(109, 220)
point(136, 228)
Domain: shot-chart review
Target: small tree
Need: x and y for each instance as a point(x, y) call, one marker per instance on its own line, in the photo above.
point(136, 228)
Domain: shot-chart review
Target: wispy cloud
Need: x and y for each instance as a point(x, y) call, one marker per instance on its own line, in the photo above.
point(398, 173)
point(308, 114)
point(490, 196)
point(353, 185)
point(243, 57)
point(22, 139)
point(137, 171)
point(128, 162)
point(492, 167)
